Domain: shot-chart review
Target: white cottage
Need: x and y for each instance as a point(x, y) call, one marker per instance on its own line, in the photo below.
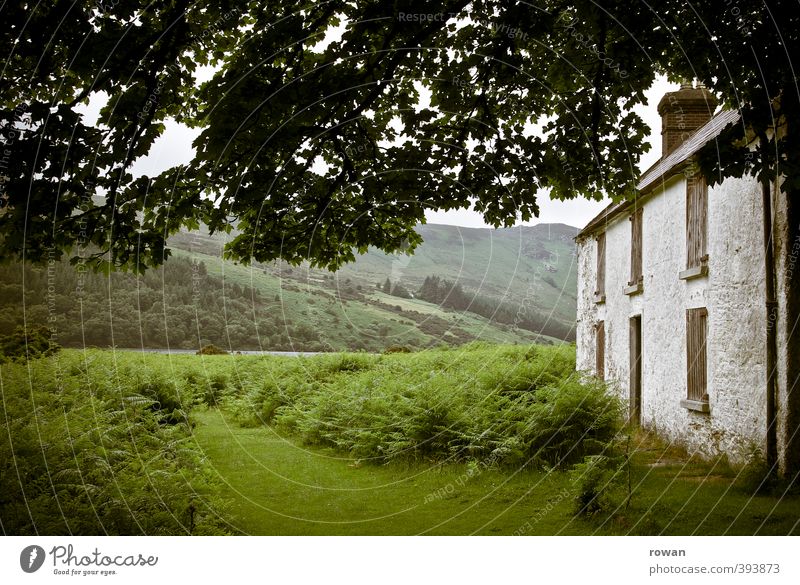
point(672, 299)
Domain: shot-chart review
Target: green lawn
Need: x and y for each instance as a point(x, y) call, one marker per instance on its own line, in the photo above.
point(277, 486)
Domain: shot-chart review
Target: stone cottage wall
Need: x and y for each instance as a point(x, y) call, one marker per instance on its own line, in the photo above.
point(733, 294)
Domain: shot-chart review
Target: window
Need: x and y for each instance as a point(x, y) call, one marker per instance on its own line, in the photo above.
point(696, 212)
point(635, 283)
point(697, 374)
point(600, 293)
point(600, 349)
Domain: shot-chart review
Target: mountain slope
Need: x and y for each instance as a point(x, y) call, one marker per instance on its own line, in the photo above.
point(528, 270)
point(506, 294)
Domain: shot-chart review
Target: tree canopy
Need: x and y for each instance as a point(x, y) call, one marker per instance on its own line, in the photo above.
point(331, 126)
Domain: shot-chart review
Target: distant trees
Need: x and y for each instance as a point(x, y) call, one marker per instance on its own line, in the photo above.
point(451, 295)
point(181, 306)
point(396, 289)
point(444, 293)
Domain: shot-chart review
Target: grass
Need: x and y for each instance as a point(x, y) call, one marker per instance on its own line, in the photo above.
point(677, 494)
point(278, 486)
point(93, 415)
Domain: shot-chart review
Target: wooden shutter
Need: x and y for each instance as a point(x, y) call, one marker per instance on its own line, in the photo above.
point(600, 349)
point(635, 345)
point(696, 330)
point(696, 213)
point(636, 247)
point(601, 264)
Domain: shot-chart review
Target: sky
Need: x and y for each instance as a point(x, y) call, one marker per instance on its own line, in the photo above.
point(175, 147)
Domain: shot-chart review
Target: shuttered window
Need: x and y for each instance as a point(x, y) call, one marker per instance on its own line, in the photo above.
point(636, 247)
point(600, 349)
point(601, 265)
point(696, 220)
point(696, 330)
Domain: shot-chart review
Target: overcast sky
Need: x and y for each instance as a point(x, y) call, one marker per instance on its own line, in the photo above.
point(175, 147)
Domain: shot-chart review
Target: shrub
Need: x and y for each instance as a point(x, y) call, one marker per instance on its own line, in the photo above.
point(211, 349)
point(473, 403)
point(30, 343)
point(570, 421)
point(163, 399)
point(343, 362)
point(397, 349)
point(601, 481)
point(94, 455)
point(756, 477)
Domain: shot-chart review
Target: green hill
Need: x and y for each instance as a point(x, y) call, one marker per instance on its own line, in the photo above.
point(508, 286)
point(527, 273)
point(535, 264)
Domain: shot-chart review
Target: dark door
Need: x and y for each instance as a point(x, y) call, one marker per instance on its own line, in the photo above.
point(636, 369)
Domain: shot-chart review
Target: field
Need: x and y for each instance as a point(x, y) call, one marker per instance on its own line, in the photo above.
point(482, 439)
point(277, 486)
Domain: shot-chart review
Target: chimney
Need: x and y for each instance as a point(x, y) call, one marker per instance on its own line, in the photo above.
point(682, 112)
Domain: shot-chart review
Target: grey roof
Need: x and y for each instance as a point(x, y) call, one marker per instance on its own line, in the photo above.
point(667, 166)
point(688, 148)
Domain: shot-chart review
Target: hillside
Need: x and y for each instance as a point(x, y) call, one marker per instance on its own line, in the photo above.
point(500, 290)
point(528, 270)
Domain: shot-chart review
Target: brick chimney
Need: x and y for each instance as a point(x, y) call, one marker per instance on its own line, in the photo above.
point(682, 112)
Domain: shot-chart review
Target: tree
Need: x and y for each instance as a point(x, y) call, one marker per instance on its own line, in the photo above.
point(281, 104)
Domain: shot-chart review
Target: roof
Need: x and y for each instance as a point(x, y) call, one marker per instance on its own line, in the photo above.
point(667, 166)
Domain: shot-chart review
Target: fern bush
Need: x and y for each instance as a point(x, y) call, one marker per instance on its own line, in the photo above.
point(513, 405)
point(603, 481)
point(162, 398)
point(90, 447)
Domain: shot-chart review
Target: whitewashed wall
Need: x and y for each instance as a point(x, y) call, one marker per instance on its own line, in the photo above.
point(733, 293)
